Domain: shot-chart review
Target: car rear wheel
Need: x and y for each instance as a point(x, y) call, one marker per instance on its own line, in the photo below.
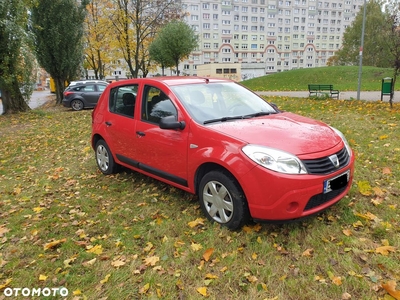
point(77, 104)
point(222, 200)
point(104, 158)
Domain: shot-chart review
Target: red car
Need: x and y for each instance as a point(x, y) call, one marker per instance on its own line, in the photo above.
point(243, 157)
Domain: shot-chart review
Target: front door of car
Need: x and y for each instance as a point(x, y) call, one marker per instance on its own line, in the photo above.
point(161, 152)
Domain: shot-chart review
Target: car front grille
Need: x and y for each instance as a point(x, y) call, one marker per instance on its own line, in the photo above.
point(320, 199)
point(324, 165)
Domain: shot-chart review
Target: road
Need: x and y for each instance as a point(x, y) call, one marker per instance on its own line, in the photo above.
point(347, 95)
point(38, 98)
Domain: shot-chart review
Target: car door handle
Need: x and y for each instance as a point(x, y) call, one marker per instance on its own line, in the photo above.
point(108, 123)
point(140, 133)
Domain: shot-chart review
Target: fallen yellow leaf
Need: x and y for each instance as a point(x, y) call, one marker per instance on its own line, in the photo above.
point(54, 244)
point(384, 250)
point(198, 221)
point(118, 263)
point(42, 277)
point(390, 287)
point(144, 289)
point(347, 232)
point(308, 252)
point(208, 253)
point(202, 291)
point(6, 283)
point(196, 247)
point(151, 260)
point(105, 279)
point(98, 249)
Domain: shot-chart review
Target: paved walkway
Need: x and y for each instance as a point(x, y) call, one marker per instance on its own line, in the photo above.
point(347, 95)
point(38, 98)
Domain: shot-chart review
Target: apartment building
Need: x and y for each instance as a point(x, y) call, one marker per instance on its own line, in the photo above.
point(267, 36)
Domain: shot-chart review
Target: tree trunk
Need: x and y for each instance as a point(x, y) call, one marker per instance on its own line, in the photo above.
point(13, 104)
point(59, 90)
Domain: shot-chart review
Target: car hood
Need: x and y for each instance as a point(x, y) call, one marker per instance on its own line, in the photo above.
point(285, 131)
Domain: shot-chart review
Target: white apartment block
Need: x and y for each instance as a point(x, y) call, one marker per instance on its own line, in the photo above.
point(267, 36)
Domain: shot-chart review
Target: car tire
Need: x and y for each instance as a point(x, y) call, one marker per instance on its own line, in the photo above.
point(77, 104)
point(222, 200)
point(104, 159)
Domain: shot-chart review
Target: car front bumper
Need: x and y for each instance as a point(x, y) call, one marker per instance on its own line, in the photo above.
point(282, 197)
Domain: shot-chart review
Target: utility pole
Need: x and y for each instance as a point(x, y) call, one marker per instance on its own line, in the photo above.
point(361, 51)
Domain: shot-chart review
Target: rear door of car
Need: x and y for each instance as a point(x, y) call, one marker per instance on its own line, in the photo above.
point(161, 152)
point(120, 123)
point(91, 93)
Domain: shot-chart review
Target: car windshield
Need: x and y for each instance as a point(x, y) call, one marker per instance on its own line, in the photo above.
point(219, 102)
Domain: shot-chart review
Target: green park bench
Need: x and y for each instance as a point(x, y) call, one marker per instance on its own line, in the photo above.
point(317, 89)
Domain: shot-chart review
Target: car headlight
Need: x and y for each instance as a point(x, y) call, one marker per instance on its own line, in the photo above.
point(274, 159)
point(346, 143)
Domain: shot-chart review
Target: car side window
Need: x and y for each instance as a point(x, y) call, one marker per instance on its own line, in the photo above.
point(88, 88)
point(156, 105)
point(101, 88)
point(122, 100)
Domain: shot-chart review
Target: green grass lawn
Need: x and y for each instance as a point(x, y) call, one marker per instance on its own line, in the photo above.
point(342, 78)
point(126, 236)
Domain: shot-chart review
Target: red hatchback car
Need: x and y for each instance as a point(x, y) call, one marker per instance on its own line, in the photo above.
point(243, 157)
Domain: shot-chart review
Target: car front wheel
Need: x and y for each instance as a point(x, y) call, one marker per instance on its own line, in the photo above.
point(222, 200)
point(104, 158)
point(77, 104)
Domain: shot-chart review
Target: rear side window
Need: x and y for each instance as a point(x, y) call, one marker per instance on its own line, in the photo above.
point(84, 88)
point(122, 100)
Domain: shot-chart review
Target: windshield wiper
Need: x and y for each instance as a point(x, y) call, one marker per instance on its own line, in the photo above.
point(259, 114)
point(223, 119)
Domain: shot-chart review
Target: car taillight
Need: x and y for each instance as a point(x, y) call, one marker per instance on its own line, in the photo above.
point(67, 93)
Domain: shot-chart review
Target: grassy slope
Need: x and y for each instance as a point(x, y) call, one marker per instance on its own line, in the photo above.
point(343, 79)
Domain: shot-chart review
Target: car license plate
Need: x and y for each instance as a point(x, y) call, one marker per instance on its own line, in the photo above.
point(336, 182)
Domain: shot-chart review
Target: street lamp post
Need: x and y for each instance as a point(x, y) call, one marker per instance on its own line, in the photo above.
point(361, 51)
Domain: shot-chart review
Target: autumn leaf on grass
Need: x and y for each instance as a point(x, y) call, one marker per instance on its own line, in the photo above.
point(337, 280)
point(54, 244)
point(386, 171)
point(390, 287)
point(208, 253)
point(347, 232)
point(198, 221)
point(89, 263)
point(308, 252)
point(118, 263)
point(103, 281)
point(384, 250)
point(42, 277)
point(364, 188)
point(144, 289)
point(196, 247)
point(3, 230)
point(151, 260)
point(367, 216)
point(202, 291)
point(98, 249)
point(6, 283)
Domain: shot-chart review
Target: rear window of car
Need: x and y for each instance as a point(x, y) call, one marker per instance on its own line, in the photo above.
point(123, 99)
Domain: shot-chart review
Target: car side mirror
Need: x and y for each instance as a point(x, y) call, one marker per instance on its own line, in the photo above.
point(170, 122)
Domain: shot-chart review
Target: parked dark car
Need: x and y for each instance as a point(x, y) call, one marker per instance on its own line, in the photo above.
point(84, 95)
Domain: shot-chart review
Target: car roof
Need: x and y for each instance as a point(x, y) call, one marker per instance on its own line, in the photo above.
point(86, 81)
point(171, 80)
